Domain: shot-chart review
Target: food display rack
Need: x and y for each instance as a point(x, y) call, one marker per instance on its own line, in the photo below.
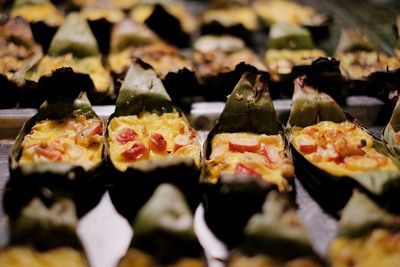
point(106, 234)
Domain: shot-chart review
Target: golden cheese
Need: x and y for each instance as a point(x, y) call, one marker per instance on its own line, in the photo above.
point(360, 64)
point(163, 58)
point(13, 56)
point(283, 60)
point(46, 12)
point(149, 136)
point(19, 256)
point(218, 61)
point(340, 148)
point(279, 11)
point(380, 248)
point(87, 65)
point(188, 23)
point(76, 140)
point(232, 16)
point(248, 153)
point(239, 260)
point(110, 14)
point(137, 258)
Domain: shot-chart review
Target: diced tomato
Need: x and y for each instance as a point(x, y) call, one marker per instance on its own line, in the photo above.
point(243, 169)
point(338, 159)
point(136, 152)
point(244, 145)
point(158, 141)
point(308, 148)
point(126, 135)
point(264, 152)
point(181, 141)
point(49, 153)
point(97, 129)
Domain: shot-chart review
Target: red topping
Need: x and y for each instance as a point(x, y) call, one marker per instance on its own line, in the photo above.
point(98, 129)
point(308, 148)
point(180, 141)
point(243, 169)
point(264, 152)
point(244, 145)
point(159, 142)
point(49, 153)
point(136, 152)
point(126, 135)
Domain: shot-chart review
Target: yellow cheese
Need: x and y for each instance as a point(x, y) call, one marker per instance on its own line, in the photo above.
point(87, 65)
point(239, 260)
point(359, 65)
point(340, 148)
point(137, 258)
point(46, 12)
point(24, 257)
point(76, 140)
point(170, 125)
point(380, 248)
point(232, 16)
point(282, 61)
point(278, 11)
point(264, 157)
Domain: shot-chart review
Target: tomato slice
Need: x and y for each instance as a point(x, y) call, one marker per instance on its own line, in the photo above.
point(308, 148)
point(98, 129)
point(243, 169)
point(181, 141)
point(244, 145)
point(136, 152)
point(264, 152)
point(158, 141)
point(126, 135)
point(49, 153)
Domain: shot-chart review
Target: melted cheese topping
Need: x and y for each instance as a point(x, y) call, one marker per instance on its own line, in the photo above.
point(264, 157)
point(87, 65)
point(282, 61)
point(111, 15)
point(76, 140)
point(340, 148)
point(239, 260)
point(232, 16)
point(24, 257)
point(218, 61)
point(358, 65)
point(46, 12)
point(180, 139)
point(137, 258)
point(13, 56)
point(275, 11)
point(163, 58)
point(188, 23)
point(380, 248)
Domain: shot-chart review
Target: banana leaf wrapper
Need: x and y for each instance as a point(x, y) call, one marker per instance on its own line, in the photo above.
point(173, 67)
point(356, 52)
point(18, 48)
point(231, 201)
point(43, 17)
point(220, 62)
point(85, 187)
point(75, 49)
point(45, 229)
point(332, 192)
point(363, 221)
point(227, 20)
point(181, 24)
point(101, 18)
point(389, 133)
point(317, 23)
point(275, 233)
point(141, 91)
point(164, 232)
